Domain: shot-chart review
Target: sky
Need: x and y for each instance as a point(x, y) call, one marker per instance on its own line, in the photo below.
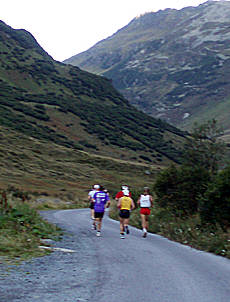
point(67, 27)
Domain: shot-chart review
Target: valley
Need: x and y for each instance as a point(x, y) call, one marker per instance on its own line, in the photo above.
point(171, 64)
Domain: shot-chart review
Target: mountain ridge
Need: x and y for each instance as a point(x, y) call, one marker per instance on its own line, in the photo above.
point(171, 64)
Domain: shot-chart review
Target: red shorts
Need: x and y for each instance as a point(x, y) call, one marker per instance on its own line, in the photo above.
point(145, 211)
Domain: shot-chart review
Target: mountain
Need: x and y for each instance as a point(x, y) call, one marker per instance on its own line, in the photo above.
point(59, 124)
point(171, 64)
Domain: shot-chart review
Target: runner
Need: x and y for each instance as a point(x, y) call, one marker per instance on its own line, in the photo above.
point(121, 193)
point(106, 191)
point(145, 201)
point(91, 205)
point(125, 204)
point(101, 201)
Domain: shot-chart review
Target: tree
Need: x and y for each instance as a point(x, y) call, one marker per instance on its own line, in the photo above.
point(205, 148)
point(179, 189)
point(215, 204)
point(165, 187)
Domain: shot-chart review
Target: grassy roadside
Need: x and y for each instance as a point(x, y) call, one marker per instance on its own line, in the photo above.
point(22, 228)
point(186, 231)
point(21, 231)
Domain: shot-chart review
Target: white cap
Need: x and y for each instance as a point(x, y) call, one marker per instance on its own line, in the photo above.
point(126, 192)
point(124, 187)
point(96, 187)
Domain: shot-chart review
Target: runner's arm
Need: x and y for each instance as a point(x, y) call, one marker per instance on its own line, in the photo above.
point(119, 203)
point(132, 204)
point(151, 200)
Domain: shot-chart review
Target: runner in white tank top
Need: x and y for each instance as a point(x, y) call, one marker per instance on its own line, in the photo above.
point(145, 201)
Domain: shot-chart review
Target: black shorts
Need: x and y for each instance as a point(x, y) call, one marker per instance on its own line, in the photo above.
point(124, 214)
point(98, 214)
point(91, 206)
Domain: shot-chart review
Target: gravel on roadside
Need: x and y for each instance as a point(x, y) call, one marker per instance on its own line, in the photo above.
point(59, 276)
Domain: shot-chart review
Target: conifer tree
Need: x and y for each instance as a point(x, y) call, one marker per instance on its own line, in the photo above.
point(205, 148)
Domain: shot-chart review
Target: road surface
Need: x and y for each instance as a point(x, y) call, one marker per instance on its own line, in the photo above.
point(109, 269)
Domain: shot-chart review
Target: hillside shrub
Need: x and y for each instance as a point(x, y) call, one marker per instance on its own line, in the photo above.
point(215, 204)
point(86, 144)
point(179, 189)
point(146, 158)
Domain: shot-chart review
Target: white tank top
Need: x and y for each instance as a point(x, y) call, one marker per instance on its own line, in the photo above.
point(145, 201)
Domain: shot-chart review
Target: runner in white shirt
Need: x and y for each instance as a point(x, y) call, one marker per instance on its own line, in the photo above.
point(91, 206)
point(145, 202)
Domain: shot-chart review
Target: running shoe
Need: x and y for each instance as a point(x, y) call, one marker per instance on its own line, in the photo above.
point(122, 235)
point(98, 233)
point(127, 230)
point(145, 234)
point(93, 227)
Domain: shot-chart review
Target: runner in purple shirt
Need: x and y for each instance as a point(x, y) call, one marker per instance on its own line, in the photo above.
point(101, 201)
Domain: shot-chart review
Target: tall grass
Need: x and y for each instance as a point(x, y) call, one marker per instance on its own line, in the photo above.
point(21, 229)
point(188, 231)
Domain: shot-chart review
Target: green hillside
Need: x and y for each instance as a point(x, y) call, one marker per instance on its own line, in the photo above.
point(171, 64)
point(61, 105)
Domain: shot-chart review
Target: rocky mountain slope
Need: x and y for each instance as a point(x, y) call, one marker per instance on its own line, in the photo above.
point(172, 64)
point(59, 123)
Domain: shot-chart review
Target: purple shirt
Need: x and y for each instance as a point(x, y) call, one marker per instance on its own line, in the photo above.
point(101, 199)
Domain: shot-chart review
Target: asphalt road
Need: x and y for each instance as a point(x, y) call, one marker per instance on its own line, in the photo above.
point(109, 269)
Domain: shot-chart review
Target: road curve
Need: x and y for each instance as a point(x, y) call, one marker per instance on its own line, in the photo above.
point(109, 269)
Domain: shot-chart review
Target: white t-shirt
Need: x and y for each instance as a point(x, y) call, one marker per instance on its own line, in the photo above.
point(91, 193)
point(145, 201)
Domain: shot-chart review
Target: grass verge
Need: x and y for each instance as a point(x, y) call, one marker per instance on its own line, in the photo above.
point(187, 231)
point(21, 229)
